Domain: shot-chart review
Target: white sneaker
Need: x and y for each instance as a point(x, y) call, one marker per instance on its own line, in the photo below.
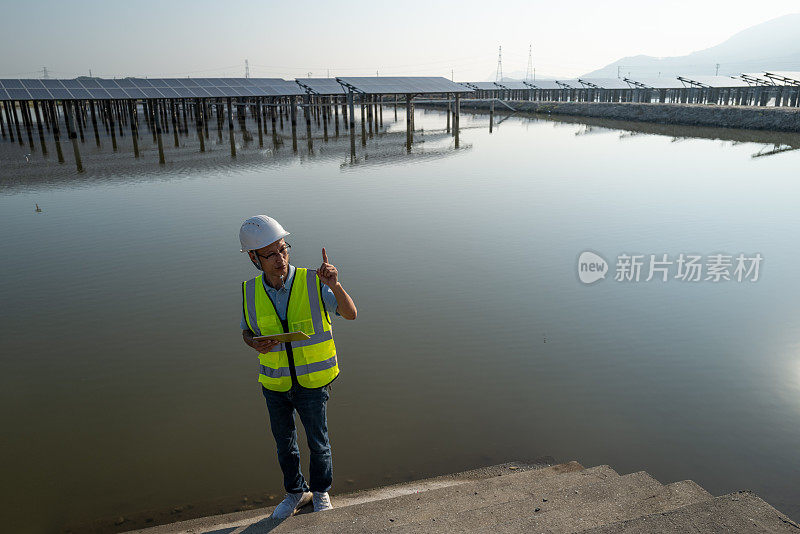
point(291, 503)
point(322, 501)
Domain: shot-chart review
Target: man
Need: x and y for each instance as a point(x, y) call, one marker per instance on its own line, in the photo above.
point(293, 375)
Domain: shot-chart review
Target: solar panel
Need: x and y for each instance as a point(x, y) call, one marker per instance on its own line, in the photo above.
point(124, 82)
point(151, 92)
point(713, 81)
point(60, 94)
point(80, 94)
point(72, 84)
point(199, 92)
point(53, 84)
point(168, 92)
point(656, 83)
point(117, 93)
point(97, 93)
point(173, 82)
point(90, 83)
point(513, 85)
point(106, 84)
point(18, 93)
point(402, 85)
point(570, 84)
point(135, 92)
point(789, 77)
point(40, 94)
point(187, 82)
point(32, 84)
point(3, 94)
point(140, 83)
point(605, 83)
point(214, 91)
point(12, 84)
point(321, 86)
point(484, 86)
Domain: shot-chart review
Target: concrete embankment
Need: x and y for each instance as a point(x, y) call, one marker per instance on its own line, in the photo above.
point(518, 497)
point(780, 119)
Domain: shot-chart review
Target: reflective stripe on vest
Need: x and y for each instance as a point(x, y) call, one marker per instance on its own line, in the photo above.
point(315, 358)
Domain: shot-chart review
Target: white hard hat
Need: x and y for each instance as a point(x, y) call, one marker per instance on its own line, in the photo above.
point(260, 231)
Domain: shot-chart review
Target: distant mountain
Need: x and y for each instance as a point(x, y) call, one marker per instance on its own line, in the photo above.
point(772, 45)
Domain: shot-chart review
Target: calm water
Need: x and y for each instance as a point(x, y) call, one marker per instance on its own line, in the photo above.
point(128, 391)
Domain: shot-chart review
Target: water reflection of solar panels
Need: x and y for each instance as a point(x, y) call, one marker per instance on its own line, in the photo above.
point(141, 88)
point(402, 85)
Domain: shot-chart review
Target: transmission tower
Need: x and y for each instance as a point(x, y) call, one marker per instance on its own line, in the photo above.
point(246, 69)
point(45, 74)
point(499, 75)
point(529, 72)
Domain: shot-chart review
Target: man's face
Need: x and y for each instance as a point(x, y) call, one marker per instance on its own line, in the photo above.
point(274, 258)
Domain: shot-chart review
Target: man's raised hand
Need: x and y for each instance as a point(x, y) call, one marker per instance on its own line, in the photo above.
point(328, 274)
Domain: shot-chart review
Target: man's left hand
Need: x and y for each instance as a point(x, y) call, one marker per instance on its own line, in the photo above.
point(328, 274)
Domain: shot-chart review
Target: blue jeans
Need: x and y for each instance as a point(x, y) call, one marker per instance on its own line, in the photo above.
point(310, 405)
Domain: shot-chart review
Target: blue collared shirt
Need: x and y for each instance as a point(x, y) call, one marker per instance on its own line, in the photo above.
point(280, 297)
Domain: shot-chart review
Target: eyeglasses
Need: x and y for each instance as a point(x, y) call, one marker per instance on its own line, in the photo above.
point(283, 251)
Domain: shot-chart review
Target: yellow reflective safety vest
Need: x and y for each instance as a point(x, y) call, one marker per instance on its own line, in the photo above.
point(311, 361)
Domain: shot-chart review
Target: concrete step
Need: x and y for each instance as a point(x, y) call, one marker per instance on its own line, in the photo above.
point(374, 516)
point(234, 521)
point(740, 512)
point(570, 510)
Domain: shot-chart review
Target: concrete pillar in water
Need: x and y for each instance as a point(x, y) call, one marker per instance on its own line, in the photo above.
point(363, 123)
point(230, 128)
point(120, 117)
point(199, 119)
point(55, 131)
point(491, 116)
point(335, 104)
point(39, 126)
point(449, 112)
point(308, 111)
point(409, 123)
point(2, 121)
point(324, 118)
point(260, 125)
point(370, 102)
point(380, 108)
point(293, 103)
point(72, 135)
point(344, 114)
point(395, 108)
point(157, 121)
point(457, 117)
point(173, 111)
point(351, 125)
point(16, 121)
point(134, 133)
point(273, 112)
point(23, 105)
point(94, 122)
point(111, 128)
point(9, 120)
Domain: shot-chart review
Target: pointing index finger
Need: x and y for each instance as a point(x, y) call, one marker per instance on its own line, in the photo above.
point(324, 256)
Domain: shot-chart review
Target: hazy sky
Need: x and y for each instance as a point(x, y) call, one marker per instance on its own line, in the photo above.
point(290, 39)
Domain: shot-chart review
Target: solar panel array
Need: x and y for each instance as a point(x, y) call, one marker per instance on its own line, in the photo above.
point(483, 86)
point(398, 85)
point(655, 83)
point(604, 83)
point(713, 81)
point(543, 84)
point(322, 86)
point(787, 77)
point(141, 88)
point(514, 86)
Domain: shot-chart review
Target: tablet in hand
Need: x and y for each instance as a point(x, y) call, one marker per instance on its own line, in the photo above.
point(283, 338)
